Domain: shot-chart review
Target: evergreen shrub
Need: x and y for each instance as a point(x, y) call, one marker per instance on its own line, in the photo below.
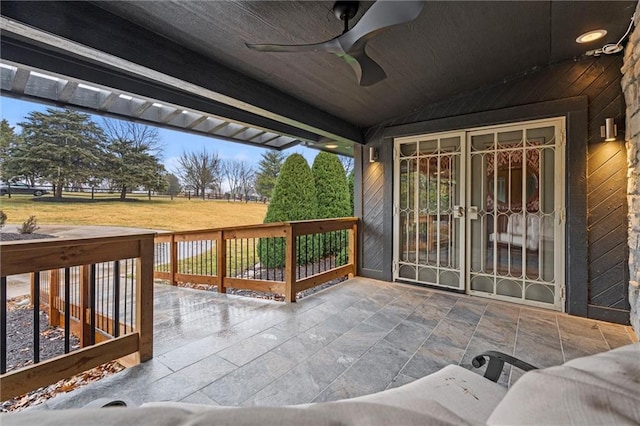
point(332, 191)
point(293, 198)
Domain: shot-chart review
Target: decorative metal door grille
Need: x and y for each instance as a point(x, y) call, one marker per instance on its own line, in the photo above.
point(517, 189)
point(429, 188)
point(482, 210)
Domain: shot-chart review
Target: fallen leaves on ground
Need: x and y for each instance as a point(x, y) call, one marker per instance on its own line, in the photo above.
point(39, 396)
point(51, 338)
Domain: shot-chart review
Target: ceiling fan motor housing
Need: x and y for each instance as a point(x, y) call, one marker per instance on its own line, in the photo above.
point(345, 10)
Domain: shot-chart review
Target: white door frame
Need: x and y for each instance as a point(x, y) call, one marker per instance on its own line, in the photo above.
point(559, 197)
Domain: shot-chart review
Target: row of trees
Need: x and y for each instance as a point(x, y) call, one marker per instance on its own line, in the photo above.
point(67, 149)
point(202, 171)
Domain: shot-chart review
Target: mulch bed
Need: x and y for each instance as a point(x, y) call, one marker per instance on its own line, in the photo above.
point(263, 295)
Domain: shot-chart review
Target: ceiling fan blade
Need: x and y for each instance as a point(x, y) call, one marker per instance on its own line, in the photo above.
point(367, 70)
point(331, 46)
point(380, 16)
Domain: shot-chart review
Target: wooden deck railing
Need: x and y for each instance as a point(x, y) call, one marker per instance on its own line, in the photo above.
point(313, 253)
point(100, 289)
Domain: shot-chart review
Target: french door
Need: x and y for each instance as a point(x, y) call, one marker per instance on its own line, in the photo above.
point(482, 210)
point(429, 188)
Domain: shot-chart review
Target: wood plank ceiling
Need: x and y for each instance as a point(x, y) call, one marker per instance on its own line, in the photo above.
point(452, 48)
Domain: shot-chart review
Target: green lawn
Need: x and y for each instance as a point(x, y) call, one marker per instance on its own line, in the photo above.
point(158, 213)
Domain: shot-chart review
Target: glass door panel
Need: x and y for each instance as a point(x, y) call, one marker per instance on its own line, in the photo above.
point(429, 195)
point(513, 239)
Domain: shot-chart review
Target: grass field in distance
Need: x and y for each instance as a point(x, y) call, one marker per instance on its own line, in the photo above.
point(159, 213)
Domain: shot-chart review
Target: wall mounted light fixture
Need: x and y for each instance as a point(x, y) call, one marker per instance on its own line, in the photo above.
point(609, 131)
point(373, 154)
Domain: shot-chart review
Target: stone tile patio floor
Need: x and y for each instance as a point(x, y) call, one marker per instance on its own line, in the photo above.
point(356, 338)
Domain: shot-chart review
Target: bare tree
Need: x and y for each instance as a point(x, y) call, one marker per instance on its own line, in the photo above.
point(240, 176)
point(133, 159)
point(347, 163)
point(200, 171)
point(142, 137)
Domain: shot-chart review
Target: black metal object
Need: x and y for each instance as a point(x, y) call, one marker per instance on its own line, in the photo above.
point(36, 317)
point(345, 10)
point(496, 364)
point(67, 309)
point(128, 310)
point(116, 298)
point(92, 304)
point(350, 45)
point(3, 325)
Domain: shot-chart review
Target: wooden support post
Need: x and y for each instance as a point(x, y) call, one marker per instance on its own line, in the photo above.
point(173, 259)
point(85, 323)
point(353, 249)
point(144, 299)
point(54, 293)
point(221, 245)
point(290, 265)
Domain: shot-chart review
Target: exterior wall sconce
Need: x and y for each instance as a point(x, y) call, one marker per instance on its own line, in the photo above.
point(609, 131)
point(373, 154)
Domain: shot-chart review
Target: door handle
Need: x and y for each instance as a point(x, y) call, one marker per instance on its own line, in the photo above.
point(458, 211)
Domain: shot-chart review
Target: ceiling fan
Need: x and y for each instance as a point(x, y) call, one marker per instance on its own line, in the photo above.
point(350, 45)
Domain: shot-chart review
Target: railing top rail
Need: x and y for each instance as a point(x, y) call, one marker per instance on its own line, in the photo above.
point(24, 256)
point(345, 220)
point(350, 219)
point(225, 228)
point(11, 246)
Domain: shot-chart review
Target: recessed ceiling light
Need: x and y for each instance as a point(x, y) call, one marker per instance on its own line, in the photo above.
point(125, 97)
point(331, 146)
point(591, 36)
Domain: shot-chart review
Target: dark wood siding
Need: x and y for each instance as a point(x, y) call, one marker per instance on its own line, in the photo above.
point(597, 274)
point(372, 207)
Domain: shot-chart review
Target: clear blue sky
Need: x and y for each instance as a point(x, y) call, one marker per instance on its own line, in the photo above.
point(173, 142)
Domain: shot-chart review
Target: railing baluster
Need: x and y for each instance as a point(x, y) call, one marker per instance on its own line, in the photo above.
point(206, 258)
point(174, 260)
point(36, 317)
point(262, 263)
point(254, 256)
point(246, 266)
point(54, 292)
point(132, 311)
point(3, 325)
point(337, 247)
point(116, 299)
point(100, 298)
point(328, 249)
point(306, 254)
point(126, 275)
point(239, 271)
point(92, 304)
point(67, 309)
